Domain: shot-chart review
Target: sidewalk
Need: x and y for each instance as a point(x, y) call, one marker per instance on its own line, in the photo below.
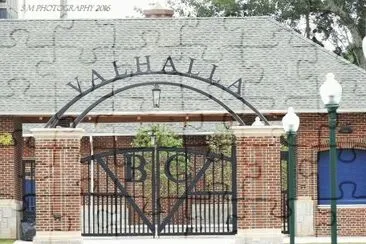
point(326, 240)
point(160, 240)
point(209, 240)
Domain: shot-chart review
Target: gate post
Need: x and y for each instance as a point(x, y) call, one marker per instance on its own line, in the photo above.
point(58, 200)
point(258, 182)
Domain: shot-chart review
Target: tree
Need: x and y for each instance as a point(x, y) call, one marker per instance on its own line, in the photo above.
point(164, 137)
point(340, 22)
point(221, 141)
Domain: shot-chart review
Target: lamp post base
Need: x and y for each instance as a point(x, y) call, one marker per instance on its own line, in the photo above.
point(304, 217)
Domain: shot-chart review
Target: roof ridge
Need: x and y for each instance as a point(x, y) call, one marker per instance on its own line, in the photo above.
point(133, 18)
point(318, 47)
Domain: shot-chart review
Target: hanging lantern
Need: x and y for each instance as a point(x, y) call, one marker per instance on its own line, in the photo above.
point(156, 96)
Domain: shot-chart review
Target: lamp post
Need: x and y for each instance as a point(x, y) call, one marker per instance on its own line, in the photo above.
point(290, 124)
point(331, 93)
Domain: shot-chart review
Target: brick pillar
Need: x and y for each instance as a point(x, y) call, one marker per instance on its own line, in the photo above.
point(57, 153)
point(259, 182)
point(10, 177)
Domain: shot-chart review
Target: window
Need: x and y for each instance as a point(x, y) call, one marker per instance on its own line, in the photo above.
point(351, 177)
point(3, 13)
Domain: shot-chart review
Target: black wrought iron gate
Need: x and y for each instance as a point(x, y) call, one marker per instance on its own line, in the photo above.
point(158, 191)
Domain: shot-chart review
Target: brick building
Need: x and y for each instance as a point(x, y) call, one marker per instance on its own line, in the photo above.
point(47, 63)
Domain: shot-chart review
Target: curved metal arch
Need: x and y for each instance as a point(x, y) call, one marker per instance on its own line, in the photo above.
point(55, 118)
point(111, 94)
point(115, 151)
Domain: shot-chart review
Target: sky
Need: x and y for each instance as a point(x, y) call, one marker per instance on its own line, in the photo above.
point(83, 9)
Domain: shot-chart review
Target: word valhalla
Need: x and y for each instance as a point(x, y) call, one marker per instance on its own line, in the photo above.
point(168, 67)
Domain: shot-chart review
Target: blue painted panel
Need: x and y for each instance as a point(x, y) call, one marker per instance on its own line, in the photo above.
point(3, 13)
point(29, 195)
point(351, 177)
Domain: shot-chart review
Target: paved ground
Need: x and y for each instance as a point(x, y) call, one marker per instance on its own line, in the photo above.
point(211, 240)
point(326, 240)
point(169, 240)
point(161, 240)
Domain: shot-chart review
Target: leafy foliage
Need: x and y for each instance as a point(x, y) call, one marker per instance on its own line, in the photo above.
point(6, 139)
point(6, 241)
point(340, 22)
point(164, 137)
point(221, 141)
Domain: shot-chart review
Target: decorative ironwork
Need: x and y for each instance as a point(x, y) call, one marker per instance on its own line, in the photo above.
point(103, 98)
point(285, 207)
point(145, 69)
point(158, 191)
point(285, 212)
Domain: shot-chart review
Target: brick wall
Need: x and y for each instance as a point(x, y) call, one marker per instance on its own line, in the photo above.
point(314, 137)
point(57, 180)
point(10, 159)
point(28, 148)
point(258, 182)
point(351, 221)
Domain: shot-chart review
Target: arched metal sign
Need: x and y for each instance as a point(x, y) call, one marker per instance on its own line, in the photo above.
point(142, 69)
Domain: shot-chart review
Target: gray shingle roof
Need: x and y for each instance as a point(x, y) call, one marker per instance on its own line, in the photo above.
point(279, 67)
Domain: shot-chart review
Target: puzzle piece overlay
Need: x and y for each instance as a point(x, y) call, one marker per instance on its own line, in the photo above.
point(278, 69)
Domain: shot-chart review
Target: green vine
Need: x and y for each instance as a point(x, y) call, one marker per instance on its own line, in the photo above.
point(6, 139)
